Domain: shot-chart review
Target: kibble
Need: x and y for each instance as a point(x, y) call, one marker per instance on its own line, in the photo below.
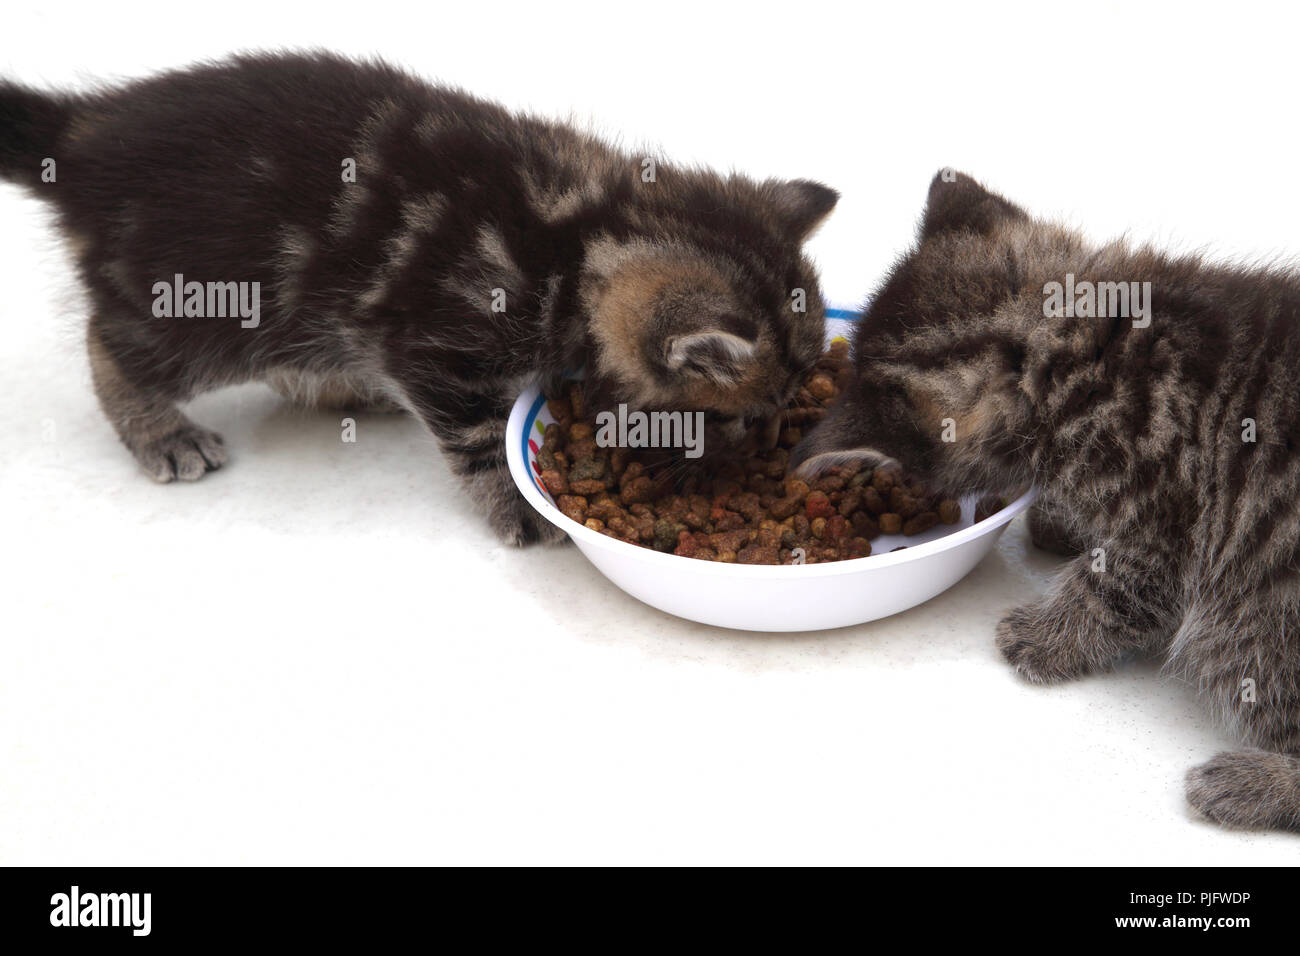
point(749, 511)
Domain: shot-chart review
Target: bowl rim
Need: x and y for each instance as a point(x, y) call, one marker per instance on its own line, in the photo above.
point(531, 399)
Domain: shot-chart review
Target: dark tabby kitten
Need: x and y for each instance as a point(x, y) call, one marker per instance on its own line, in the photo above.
point(397, 243)
point(1163, 444)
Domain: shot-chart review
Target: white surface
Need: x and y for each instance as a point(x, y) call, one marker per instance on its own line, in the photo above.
point(812, 597)
point(317, 656)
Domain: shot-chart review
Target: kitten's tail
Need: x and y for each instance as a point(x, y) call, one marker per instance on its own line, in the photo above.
point(31, 123)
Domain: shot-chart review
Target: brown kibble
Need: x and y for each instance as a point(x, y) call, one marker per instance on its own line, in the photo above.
point(584, 448)
point(587, 468)
point(921, 523)
point(729, 521)
point(603, 507)
point(645, 527)
point(785, 507)
point(859, 547)
point(902, 503)
point(850, 502)
point(818, 505)
point(618, 458)
point(555, 481)
point(796, 488)
point(829, 482)
point(560, 410)
point(573, 507)
point(638, 489)
point(864, 526)
point(742, 506)
point(732, 540)
point(821, 387)
point(747, 506)
point(687, 545)
point(756, 554)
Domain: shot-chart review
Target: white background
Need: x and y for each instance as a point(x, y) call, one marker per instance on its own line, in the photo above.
point(317, 655)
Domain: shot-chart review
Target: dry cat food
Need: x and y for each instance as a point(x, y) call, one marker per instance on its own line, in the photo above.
point(747, 510)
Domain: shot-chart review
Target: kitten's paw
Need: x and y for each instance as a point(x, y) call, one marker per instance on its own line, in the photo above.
point(1035, 650)
point(1248, 789)
point(188, 453)
point(519, 525)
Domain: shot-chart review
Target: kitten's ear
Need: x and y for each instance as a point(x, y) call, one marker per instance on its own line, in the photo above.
point(718, 354)
point(801, 205)
point(957, 202)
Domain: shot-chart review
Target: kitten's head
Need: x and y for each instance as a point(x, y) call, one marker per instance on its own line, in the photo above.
point(939, 357)
point(703, 300)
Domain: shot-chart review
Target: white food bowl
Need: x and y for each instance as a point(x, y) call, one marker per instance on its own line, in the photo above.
point(808, 597)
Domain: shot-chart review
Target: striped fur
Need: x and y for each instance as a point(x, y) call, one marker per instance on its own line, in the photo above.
point(1135, 438)
point(476, 251)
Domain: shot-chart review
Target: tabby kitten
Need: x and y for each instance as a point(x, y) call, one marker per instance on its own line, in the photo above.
point(1163, 442)
point(395, 243)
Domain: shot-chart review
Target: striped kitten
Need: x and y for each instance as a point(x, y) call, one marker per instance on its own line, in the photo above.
point(1163, 439)
point(393, 243)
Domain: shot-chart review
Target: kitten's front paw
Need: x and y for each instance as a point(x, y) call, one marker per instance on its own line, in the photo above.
point(519, 525)
point(1249, 789)
point(1036, 650)
point(188, 453)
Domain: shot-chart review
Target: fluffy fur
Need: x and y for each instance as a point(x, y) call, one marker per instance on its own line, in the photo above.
point(476, 251)
point(1134, 437)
